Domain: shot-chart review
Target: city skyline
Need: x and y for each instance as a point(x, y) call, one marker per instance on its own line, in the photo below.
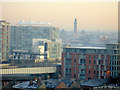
point(59, 44)
point(101, 16)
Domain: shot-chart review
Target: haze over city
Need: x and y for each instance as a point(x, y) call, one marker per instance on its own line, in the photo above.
point(101, 16)
point(47, 45)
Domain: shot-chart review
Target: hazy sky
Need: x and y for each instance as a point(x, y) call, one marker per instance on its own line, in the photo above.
point(90, 15)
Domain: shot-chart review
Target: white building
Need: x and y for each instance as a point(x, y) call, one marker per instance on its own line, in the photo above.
point(47, 48)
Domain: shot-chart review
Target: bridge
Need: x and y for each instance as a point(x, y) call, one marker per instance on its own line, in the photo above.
point(28, 70)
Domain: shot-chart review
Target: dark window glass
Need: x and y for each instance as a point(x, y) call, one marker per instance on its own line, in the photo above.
point(89, 56)
point(89, 61)
point(74, 76)
point(89, 72)
point(75, 61)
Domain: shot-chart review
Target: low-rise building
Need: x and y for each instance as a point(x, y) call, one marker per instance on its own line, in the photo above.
point(114, 52)
point(24, 54)
point(49, 49)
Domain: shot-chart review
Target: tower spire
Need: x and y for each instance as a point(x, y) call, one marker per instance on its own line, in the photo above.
point(75, 26)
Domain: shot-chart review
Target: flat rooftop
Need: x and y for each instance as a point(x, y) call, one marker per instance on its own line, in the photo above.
point(113, 44)
point(87, 47)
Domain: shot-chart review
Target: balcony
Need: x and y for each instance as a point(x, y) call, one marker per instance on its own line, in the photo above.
point(67, 66)
point(82, 57)
point(67, 73)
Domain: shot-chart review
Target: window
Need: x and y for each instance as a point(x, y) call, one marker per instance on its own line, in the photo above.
point(89, 66)
point(94, 56)
point(68, 66)
point(94, 67)
point(53, 45)
point(89, 72)
point(75, 50)
point(84, 66)
point(82, 56)
point(82, 61)
point(75, 56)
point(112, 62)
point(74, 76)
point(75, 61)
point(74, 71)
point(68, 60)
point(75, 66)
point(97, 72)
point(89, 61)
point(89, 56)
point(89, 78)
point(94, 72)
point(99, 62)
point(94, 62)
point(69, 55)
point(82, 71)
point(117, 68)
point(66, 55)
point(117, 62)
point(112, 67)
point(82, 77)
point(68, 71)
point(80, 66)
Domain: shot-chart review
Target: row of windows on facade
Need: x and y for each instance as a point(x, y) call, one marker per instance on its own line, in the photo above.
point(83, 61)
point(30, 28)
point(24, 57)
point(114, 57)
point(114, 68)
point(115, 73)
point(116, 52)
point(85, 51)
point(84, 67)
point(115, 63)
point(82, 76)
point(84, 56)
point(114, 47)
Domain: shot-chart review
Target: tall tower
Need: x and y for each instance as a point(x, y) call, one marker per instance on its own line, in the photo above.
point(75, 26)
point(4, 40)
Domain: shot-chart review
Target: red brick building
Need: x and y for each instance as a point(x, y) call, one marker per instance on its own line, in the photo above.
point(4, 40)
point(85, 63)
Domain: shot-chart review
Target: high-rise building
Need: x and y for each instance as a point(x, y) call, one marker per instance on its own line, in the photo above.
point(118, 36)
point(4, 40)
point(75, 26)
point(23, 33)
point(114, 52)
point(91, 62)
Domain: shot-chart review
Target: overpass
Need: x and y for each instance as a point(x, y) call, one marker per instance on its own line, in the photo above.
point(28, 70)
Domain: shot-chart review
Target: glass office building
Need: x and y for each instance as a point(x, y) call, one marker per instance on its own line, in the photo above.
point(22, 34)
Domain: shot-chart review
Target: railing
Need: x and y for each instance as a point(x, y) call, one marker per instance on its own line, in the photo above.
point(28, 70)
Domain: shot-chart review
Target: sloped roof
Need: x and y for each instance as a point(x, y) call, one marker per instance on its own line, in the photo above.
point(26, 84)
point(53, 83)
point(94, 82)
